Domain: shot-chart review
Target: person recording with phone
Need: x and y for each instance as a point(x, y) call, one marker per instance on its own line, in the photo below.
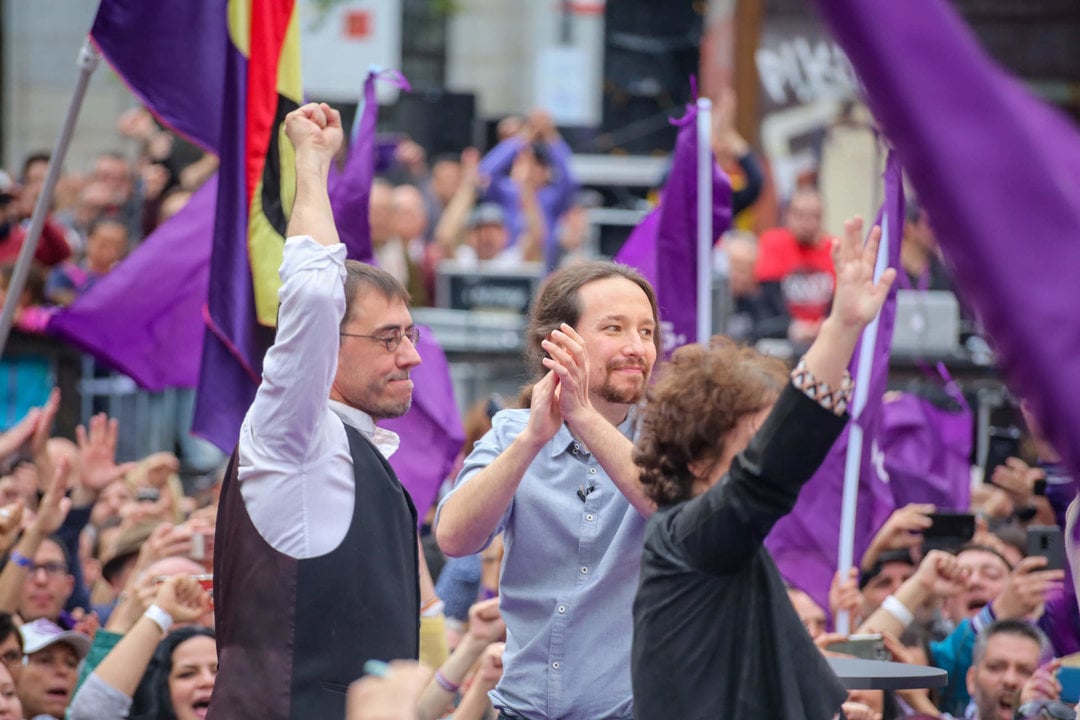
point(726, 440)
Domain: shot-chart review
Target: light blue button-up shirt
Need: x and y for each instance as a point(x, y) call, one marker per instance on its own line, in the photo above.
point(570, 571)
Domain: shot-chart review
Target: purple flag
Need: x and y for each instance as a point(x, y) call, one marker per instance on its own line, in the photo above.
point(351, 187)
point(145, 317)
point(927, 449)
point(664, 245)
point(805, 543)
point(172, 57)
point(999, 175)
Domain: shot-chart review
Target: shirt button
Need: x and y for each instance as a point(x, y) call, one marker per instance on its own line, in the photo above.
point(592, 471)
point(555, 665)
point(576, 447)
point(562, 608)
point(584, 571)
point(589, 517)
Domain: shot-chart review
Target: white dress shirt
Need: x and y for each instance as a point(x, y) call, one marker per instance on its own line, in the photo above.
point(295, 469)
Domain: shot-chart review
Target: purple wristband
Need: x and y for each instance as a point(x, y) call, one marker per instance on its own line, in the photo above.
point(21, 560)
point(446, 684)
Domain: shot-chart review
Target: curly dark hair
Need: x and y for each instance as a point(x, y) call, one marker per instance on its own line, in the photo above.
point(557, 303)
point(699, 398)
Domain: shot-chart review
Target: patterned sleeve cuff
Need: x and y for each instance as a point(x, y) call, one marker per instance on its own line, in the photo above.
point(835, 401)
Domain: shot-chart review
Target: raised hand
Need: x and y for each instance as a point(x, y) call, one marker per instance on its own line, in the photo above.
point(86, 622)
point(97, 453)
point(570, 363)
point(1043, 684)
point(1017, 479)
point(545, 418)
point(54, 505)
point(858, 298)
point(39, 441)
point(902, 530)
point(165, 541)
point(941, 574)
point(470, 169)
point(1026, 588)
point(11, 523)
point(19, 434)
point(159, 467)
point(491, 666)
point(183, 598)
point(485, 621)
point(315, 128)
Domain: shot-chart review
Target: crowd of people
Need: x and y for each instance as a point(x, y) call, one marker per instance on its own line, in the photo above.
point(599, 554)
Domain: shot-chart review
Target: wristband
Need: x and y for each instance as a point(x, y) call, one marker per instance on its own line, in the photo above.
point(898, 610)
point(446, 684)
point(835, 400)
point(433, 608)
point(161, 618)
point(21, 560)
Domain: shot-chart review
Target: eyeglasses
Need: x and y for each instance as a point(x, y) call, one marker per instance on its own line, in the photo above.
point(52, 569)
point(393, 338)
point(1045, 709)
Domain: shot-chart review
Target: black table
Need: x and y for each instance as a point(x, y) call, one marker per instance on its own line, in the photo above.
point(857, 674)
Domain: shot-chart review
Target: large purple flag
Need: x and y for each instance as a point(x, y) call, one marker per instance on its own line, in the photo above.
point(145, 317)
point(805, 543)
point(172, 56)
point(664, 245)
point(999, 175)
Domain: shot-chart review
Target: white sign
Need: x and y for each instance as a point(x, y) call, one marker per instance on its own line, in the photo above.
point(337, 46)
point(563, 86)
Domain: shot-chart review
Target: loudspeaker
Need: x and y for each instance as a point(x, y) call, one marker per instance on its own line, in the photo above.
point(440, 121)
point(650, 52)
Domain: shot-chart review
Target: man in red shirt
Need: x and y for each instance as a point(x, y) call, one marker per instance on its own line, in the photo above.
point(795, 261)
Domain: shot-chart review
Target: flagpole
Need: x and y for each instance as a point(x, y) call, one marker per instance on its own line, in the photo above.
point(704, 220)
point(853, 460)
point(88, 62)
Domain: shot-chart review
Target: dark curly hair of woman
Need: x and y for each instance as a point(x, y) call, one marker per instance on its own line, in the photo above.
point(699, 398)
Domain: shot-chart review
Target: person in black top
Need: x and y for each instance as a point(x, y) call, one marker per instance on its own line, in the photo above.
point(725, 443)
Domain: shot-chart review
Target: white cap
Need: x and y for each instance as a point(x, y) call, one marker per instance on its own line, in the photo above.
point(42, 633)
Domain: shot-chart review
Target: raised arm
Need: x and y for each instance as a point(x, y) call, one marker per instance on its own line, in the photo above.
point(451, 227)
point(316, 135)
point(856, 302)
point(724, 528)
point(284, 421)
point(179, 599)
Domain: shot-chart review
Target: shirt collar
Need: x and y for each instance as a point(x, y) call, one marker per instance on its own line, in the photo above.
point(387, 441)
point(564, 440)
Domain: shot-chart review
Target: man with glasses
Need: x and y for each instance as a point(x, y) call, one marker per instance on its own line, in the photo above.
point(316, 562)
point(48, 585)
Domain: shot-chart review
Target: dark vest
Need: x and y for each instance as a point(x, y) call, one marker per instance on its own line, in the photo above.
point(292, 634)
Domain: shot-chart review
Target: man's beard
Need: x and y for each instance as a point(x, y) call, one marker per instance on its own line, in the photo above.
point(625, 395)
point(382, 408)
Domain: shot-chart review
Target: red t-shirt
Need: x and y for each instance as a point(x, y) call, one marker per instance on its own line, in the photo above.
point(52, 246)
point(805, 272)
